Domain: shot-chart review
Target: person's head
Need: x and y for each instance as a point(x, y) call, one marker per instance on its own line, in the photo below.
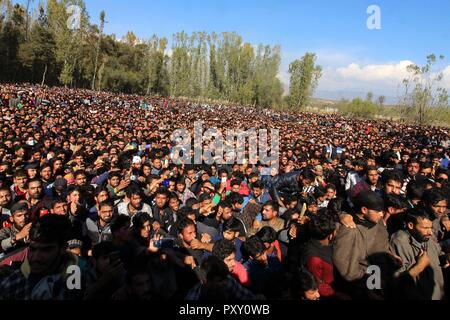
point(231, 228)
point(413, 167)
point(102, 256)
point(307, 177)
point(256, 250)
point(359, 165)
point(372, 175)
point(268, 236)
point(134, 193)
point(59, 207)
point(80, 178)
point(20, 178)
point(322, 226)
point(161, 198)
point(34, 188)
point(235, 185)
point(370, 206)
point(114, 179)
point(305, 285)
point(139, 282)
point(142, 225)
point(101, 194)
point(46, 172)
point(174, 202)
point(419, 224)
point(187, 231)
point(5, 197)
point(270, 211)
point(393, 183)
point(415, 190)
point(157, 163)
point(331, 192)
point(435, 202)
point(236, 200)
point(48, 244)
point(225, 250)
point(120, 227)
point(20, 215)
point(395, 204)
point(105, 212)
point(73, 194)
point(320, 194)
point(180, 185)
point(426, 170)
point(257, 188)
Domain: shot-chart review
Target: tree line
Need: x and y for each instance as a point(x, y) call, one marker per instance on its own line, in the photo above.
point(51, 46)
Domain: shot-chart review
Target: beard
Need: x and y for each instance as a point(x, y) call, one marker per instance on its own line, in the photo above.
point(419, 237)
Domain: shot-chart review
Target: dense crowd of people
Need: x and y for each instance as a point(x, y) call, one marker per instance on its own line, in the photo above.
point(94, 207)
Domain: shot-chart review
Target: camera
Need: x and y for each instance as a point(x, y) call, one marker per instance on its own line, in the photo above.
point(166, 243)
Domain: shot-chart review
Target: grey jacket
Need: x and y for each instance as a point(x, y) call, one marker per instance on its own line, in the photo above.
point(408, 248)
point(354, 247)
point(95, 233)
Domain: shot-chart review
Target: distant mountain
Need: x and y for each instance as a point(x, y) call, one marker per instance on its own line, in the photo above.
point(349, 95)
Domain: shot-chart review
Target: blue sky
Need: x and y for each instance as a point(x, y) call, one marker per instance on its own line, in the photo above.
point(355, 59)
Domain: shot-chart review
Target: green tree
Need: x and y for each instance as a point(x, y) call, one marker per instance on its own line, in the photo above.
point(305, 75)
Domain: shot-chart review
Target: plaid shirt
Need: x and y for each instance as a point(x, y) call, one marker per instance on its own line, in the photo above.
point(235, 290)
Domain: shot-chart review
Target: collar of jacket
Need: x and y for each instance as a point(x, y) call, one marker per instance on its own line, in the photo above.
point(363, 222)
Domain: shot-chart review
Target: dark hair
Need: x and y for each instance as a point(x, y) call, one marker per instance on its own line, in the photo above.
point(319, 192)
point(51, 229)
point(395, 201)
point(72, 188)
point(184, 223)
point(114, 174)
point(330, 186)
point(433, 196)
point(133, 190)
point(253, 246)
point(119, 222)
point(223, 249)
point(415, 189)
point(100, 189)
point(273, 204)
point(185, 211)
point(79, 172)
point(162, 191)
point(235, 182)
point(235, 197)
point(308, 174)
point(322, 225)
point(393, 176)
point(232, 224)
point(106, 203)
point(33, 180)
point(304, 281)
point(56, 201)
point(414, 215)
point(139, 219)
point(267, 234)
point(104, 248)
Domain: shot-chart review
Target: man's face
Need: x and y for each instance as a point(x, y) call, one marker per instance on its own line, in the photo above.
point(257, 192)
point(174, 204)
point(46, 173)
point(268, 213)
point(371, 162)
point(439, 208)
point(181, 187)
point(413, 169)
point(35, 189)
point(20, 219)
point(157, 164)
point(262, 258)
point(44, 257)
point(227, 213)
point(331, 193)
point(31, 173)
point(20, 181)
point(114, 182)
point(373, 215)
point(235, 188)
point(230, 261)
point(188, 234)
point(312, 295)
point(422, 231)
point(161, 200)
point(105, 214)
point(426, 172)
point(60, 209)
point(230, 235)
point(102, 196)
point(372, 177)
point(5, 198)
point(146, 170)
point(136, 201)
point(191, 174)
point(81, 180)
point(393, 187)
